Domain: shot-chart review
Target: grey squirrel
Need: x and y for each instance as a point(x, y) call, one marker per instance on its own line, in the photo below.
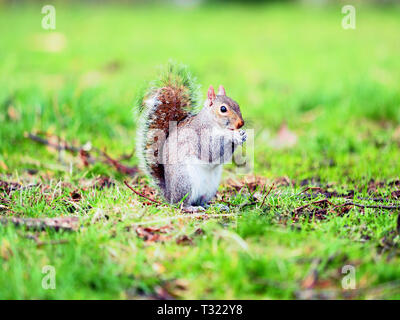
point(181, 147)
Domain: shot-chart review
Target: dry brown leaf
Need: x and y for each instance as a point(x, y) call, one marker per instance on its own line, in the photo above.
point(13, 114)
point(184, 240)
point(103, 182)
point(396, 194)
point(75, 196)
point(5, 249)
point(158, 267)
point(249, 181)
point(310, 281)
point(154, 234)
point(3, 165)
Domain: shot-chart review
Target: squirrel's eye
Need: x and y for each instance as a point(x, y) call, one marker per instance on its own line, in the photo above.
point(223, 109)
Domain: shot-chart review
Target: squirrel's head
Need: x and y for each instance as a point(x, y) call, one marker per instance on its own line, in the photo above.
point(225, 111)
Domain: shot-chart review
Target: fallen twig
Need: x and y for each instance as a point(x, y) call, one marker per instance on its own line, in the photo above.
point(85, 156)
point(349, 203)
point(269, 191)
point(64, 223)
point(131, 171)
point(41, 243)
point(310, 188)
point(58, 147)
point(141, 194)
point(332, 195)
point(369, 206)
point(314, 202)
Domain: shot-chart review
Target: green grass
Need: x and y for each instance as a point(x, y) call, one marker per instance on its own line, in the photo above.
point(336, 89)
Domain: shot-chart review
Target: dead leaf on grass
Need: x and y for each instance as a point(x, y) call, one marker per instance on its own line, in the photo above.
point(5, 249)
point(396, 194)
point(374, 185)
point(3, 165)
point(103, 182)
point(154, 234)
point(75, 196)
point(85, 157)
point(13, 114)
point(251, 182)
point(199, 232)
point(7, 187)
point(113, 66)
point(184, 240)
point(163, 294)
point(158, 267)
point(176, 288)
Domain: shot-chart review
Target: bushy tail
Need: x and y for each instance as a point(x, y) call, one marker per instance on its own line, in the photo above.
point(173, 97)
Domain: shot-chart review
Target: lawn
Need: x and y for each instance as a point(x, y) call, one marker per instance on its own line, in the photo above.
point(324, 104)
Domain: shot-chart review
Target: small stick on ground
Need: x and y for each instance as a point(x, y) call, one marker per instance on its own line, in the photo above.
point(369, 206)
point(85, 156)
point(141, 194)
point(314, 202)
point(269, 191)
point(131, 171)
point(40, 243)
point(58, 147)
point(62, 223)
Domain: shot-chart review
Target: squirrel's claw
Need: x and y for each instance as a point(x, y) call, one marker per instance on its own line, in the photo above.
point(243, 134)
point(239, 137)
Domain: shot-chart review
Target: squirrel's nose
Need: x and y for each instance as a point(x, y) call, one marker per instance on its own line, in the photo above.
point(239, 124)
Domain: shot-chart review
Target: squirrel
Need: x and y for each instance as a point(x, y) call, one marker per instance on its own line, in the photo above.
point(182, 147)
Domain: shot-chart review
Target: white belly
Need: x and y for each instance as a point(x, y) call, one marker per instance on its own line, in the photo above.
point(205, 181)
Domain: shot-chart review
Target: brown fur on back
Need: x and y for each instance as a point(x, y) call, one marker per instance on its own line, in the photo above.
point(173, 105)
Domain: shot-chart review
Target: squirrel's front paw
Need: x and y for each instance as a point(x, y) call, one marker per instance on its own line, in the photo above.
point(240, 137)
point(243, 134)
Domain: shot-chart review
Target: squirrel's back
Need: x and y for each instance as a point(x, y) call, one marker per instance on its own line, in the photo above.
point(173, 97)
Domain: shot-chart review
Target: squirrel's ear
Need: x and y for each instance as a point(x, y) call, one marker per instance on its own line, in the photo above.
point(211, 95)
point(221, 91)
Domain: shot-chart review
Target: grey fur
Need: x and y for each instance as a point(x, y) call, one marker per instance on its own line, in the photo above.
point(183, 156)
